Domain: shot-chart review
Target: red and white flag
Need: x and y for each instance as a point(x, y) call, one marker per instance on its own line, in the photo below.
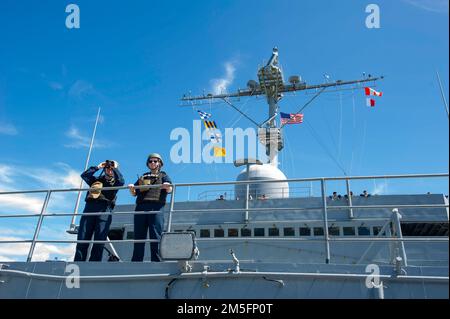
point(370, 102)
point(370, 91)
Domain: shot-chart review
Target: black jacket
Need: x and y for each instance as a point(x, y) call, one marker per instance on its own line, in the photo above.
point(106, 195)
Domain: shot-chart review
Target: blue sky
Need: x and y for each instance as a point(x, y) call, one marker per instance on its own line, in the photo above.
point(137, 60)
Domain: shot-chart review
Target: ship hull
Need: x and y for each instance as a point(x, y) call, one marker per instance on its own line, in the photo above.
point(59, 280)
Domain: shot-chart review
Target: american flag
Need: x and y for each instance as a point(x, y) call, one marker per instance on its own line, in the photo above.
point(203, 115)
point(291, 118)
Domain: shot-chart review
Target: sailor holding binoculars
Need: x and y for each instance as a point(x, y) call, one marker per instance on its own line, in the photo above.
point(98, 200)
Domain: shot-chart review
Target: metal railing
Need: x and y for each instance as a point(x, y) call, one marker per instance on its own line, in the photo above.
point(325, 208)
point(229, 194)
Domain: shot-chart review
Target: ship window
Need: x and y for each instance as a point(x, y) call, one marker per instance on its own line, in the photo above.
point(425, 229)
point(205, 233)
point(246, 232)
point(259, 232)
point(318, 231)
point(305, 231)
point(178, 230)
point(289, 231)
point(363, 231)
point(219, 232)
point(130, 235)
point(116, 234)
point(233, 232)
point(349, 231)
point(333, 231)
point(376, 230)
point(274, 232)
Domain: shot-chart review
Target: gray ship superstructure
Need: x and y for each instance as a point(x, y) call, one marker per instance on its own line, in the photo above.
point(263, 239)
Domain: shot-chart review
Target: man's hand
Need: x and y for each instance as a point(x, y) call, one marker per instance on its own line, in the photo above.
point(101, 165)
point(167, 187)
point(132, 189)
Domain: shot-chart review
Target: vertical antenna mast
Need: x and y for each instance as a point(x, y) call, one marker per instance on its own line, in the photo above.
point(442, 93)
point(271, 83)
point(77, 204)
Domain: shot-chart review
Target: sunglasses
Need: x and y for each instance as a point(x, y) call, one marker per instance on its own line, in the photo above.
point(153, 161)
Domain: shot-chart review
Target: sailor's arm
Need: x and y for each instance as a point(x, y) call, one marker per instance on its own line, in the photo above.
point(167, 184)
point(120, 181)
point(88, 175)
point(132, 189)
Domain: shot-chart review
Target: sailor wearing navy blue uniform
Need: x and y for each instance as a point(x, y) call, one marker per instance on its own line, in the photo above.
point(97, 201)
point(150, 200)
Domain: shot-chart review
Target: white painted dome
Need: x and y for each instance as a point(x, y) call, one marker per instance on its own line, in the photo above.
point(269, 190)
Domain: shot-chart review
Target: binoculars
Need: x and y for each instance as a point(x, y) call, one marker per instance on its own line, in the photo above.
point(109, 164)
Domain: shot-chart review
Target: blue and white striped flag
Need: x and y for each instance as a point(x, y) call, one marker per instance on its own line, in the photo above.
point(203, 115)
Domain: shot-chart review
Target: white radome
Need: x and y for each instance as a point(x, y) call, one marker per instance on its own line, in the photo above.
point(269, 190)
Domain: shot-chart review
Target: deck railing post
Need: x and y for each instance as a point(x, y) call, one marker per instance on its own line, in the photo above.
point(247, 195)
point(172, 202)
point(398, 230)
point(38, 226)
point(349, 196)
point(390, 243)
point(325, 221)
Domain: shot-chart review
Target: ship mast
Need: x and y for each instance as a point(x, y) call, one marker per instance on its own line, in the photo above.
point(271, 84)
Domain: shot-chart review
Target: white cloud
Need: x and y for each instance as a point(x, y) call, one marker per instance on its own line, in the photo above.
point(63, 176)
point(221, 85)
point(6, 259)
point(55, 85)
point(5, 174)
point(438, 6)
point(42, 251)
point(24, 230)
point(79, 140)
point(80, 89)
point(69, 178)
point(72, 179)
point(24, 202)
point(13, 250)
point(38, 178)
point(8, 129)
point(82, 141)
point(50, 251)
